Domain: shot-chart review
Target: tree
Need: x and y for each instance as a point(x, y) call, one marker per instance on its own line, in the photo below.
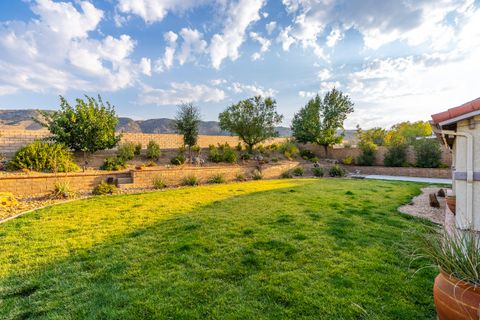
point(253, 120)
point(186, 123)
point(407, 132)
point(88, 127)
point(375, 135)
point(320, 119)
point(428, 153)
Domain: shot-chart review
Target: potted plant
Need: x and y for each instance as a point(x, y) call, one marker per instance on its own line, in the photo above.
point(456, 290)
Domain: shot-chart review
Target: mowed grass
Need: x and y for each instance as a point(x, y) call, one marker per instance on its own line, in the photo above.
point(281, 249)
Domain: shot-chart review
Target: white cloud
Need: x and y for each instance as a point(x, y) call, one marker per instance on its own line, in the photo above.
point(156, 10)
point(252, 90)
point(54, 51)
point(217, 82)
point(146, 66)
point(240, 16)
point(329, 85)
point(324, 74)
point(192, 44)
point(335, 35)
point(181, 92)
point(270, 27)
point(285, 39)
point(306, 94)
point(265, 45)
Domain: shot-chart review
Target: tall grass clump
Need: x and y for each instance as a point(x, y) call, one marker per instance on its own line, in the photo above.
point(158, 183)
point(190, 180)
point(456, 253)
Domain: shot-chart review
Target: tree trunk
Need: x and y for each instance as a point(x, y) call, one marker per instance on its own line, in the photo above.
point(325, 147)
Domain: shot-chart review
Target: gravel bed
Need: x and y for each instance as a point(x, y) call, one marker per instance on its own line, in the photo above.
point(420, 207)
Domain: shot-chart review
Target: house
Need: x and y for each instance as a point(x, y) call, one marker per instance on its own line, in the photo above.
point(459, 129)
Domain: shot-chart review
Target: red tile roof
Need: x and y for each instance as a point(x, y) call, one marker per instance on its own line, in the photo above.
point(465, 108)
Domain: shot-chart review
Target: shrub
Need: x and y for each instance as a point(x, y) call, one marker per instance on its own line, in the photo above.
point(62, 190)
point(196, 149)
point(158, 183)
point(126, 151)
point(229, 155)
point(273, 147)
point(246, 156)
point(240, 177)
point(314, 159)
point(274, 159)
point(318, 171)
point(428, 153)
point(396, 155)
point(367, 158)
point(221, 153)
point(190, 180)
point(7, 200)
point(43, 156)
point(138, 149)
point(113, 164)
point(289, 149)
point(216, 178)
point(153, 150)
point(257, 175)
point(151, 163)
point(307, 154)
point(239, 147)
point(104, 188)
point(337, 171)
point(214, 154)
point(348, 160)
point(287, 174)
point(298, 171)
point(178, 160)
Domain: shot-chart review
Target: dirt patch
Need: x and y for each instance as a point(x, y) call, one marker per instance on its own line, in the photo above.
point(420, 207)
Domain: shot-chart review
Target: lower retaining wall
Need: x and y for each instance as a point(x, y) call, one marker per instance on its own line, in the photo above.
point(42, 184)
point(441, 173)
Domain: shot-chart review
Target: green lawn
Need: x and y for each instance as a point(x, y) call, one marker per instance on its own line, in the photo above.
point(281, 249)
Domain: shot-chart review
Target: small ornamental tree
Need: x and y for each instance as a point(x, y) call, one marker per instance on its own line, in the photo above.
point(186, 123)
point(253, 120)
point(320, 119)
point(89, 126)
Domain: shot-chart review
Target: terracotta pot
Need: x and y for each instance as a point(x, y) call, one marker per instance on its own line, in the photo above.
point(451, 203)
point(455, 299)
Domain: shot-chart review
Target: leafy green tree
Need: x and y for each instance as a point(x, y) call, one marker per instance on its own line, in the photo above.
point(186, 123)
point(428, 153)
point(396, 155)
point(320, 119)
point(407, 132)
point(253, 120)
point(375, 135)
point(89, 126)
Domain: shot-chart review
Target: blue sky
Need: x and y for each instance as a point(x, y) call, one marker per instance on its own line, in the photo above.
point(397, 59)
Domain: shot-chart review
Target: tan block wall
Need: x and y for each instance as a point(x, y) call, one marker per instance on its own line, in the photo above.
point(12, 140)
point(440, 173)
point(41, 184)
point(341, 153)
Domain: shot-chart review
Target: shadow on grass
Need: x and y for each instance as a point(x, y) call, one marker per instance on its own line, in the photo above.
point(257, 255)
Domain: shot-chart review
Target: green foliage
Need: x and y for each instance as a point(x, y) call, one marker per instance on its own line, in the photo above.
point(138, 149)
point(428, 153)
point(252, 120)
point(274, 159)
point(43, 156)
point(307, 154)
point(239, 147)
point(89, 126)
point(287, 174)
point(216, 178)
point(320, 119)
point(367, 158)
point(178, 160)
point(337, 171)
point(376, 135)
point(240, 176)
point(104, 188)
point(396, 155)
point(113, 164)
point(126, 151)
point(222, 153)
point(190, 180)
point(187, 122)
point(348, 160)
point(158, 183)
point(246, 156)
point(407, 132)
point(257, 175)
point(318, 171)
point(153, 150)
point(62, 190)
point(196, 149)
point(298, 171)
point(314, 159)
point(289, 149)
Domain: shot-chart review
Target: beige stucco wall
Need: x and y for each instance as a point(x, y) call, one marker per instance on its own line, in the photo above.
point(460, 165)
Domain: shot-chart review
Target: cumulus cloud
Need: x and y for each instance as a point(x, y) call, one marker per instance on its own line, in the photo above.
point(155, 10)
point(179, 92)
point(264, 45)
point(55, 51)
point(270, 27)
point(306, 94)
point(240, 16)
point(193, 44)
point(252, 90)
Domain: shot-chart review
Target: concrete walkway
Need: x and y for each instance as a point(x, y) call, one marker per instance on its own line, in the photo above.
point(412, 179)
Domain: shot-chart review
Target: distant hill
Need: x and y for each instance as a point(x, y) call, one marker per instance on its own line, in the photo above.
point(24, 120)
